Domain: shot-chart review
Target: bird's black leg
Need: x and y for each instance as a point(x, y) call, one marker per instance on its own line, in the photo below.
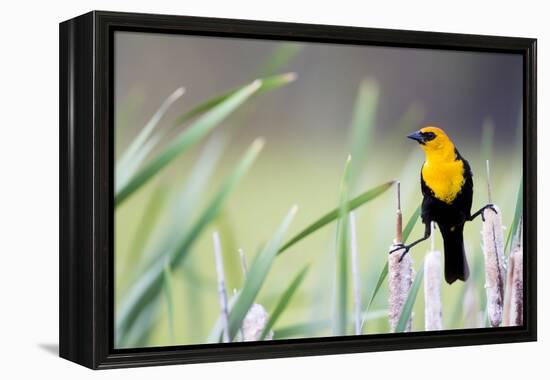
point(480, 212)
point(427, 233)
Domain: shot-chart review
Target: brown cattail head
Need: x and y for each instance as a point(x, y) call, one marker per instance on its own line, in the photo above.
point(514, 288)
point(432, 291)
point(254, 323)
point(493, 250)
point(514, 282)
point(400, 277)
point(399, 217)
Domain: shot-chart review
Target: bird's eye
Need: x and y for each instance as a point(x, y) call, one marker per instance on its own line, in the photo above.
point(428, 136)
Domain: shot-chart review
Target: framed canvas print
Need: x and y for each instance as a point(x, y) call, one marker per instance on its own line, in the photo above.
point(237, 189)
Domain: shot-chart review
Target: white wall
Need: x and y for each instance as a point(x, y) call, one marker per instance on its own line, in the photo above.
point(29, 192)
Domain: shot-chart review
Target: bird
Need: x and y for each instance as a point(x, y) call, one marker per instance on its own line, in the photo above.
point(447, 188)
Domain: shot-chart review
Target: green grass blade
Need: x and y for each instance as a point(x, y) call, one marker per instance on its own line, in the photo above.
point(169, 295)
point(136, 152)
point(140, 332)
point(268, 84)
point(149, 284)
point(342, 248)
point(409, 303)
point(381, 279)
point(126, 110)
point(144, 143)
point(215, 205)
point(184, 201)
point(333, 214)
point(284, 301)
point(517, 216)
point(126, 170)
point(487, 139)
point(362, 125)
point(226, 227)
point(193, 297)
point(384, 273)
point(146, 132)
point(411, 223)
point(311, 328)
point(375, 314)
point(279, 58)
point(256, 276)
point(148, 221)
point(186, 139)
point(301, 329)
point(141, 296)
point(196, 183)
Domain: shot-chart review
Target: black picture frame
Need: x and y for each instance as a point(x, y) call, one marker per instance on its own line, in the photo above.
point(86, 189)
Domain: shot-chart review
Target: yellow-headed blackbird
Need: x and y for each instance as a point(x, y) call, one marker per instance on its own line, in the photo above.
point(447, 187)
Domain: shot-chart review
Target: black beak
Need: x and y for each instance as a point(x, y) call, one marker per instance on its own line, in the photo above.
point(417, 136)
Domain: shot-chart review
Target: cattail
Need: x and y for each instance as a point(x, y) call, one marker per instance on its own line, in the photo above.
point(514, 284)
point(398, 217)
point(432, 288)
point(493, 250)
point(400, 274)
point(515, 288)
point(254, 323)
point(400, 281)
point(222, 293)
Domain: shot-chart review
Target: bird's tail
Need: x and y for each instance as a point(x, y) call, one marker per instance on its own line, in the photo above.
point(456, 266)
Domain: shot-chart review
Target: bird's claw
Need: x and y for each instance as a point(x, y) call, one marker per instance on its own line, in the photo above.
point(406, 250)
point(492, 207)
point(397, 246)
point(401, 246)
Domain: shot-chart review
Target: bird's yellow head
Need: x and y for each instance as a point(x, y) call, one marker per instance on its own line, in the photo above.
point(434, 141)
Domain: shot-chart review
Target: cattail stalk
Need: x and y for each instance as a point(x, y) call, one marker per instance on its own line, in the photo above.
point(433, 319)
point(399, 217)
point(400, 274)
point(355, 274)
point(514, 284)
point(493, 250)
point(222, 293)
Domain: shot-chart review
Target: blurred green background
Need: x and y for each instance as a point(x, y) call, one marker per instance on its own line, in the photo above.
point(475, 97)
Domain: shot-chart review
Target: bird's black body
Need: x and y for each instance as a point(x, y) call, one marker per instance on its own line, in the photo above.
point(450, 219)
point(450, 204)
